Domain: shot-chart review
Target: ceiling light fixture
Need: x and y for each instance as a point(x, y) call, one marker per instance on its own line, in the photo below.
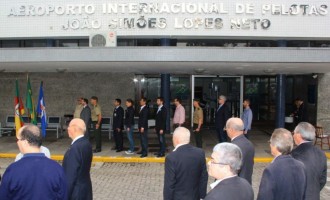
point(199, 70)
point(61, 70)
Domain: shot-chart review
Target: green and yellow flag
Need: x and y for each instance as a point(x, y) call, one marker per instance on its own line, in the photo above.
point(19, 110)
point(29, 103)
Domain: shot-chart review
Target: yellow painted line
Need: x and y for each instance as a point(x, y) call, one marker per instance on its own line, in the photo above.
point(327, 155)
point(113, 159)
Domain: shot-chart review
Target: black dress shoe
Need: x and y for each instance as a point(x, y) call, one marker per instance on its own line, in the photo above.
point(139, 152)
point(156, 154)
point(119, 150)
point(143, 156)
point(160, 155)
point(96, 150)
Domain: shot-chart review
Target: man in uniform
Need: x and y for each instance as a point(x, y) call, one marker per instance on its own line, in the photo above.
point(198, 121)
point(96, 123)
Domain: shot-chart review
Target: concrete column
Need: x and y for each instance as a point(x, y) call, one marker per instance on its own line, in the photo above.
point(166, 86)
point(165, 93)
point(280, 100)
point(323, 105)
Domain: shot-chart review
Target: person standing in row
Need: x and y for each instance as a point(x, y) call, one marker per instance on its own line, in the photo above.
point(96, 123)
point(77, 162)
point(78, 108)
point(34, 176)
point(118, 125)
point(179, 114)
point(160, 127)
point(85, 115)
point(185, 169)
point(234, 127)
point(221, 116)
point(247, 117)
point(197, 123)
point(313, 158)
point(143, 127)
point(129, 124)
point(224, 165)
point(285, 177)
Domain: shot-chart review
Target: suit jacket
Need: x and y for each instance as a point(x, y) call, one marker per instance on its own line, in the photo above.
point(143, 118)
point(77, 164)
point(118, 118)
point(234, 188)
point(283, 179)
point(221, 116)
point(85, 115)
point(247, 149)
point(315, 163)
point(129, 117)
point(185, 174)
point(33, 177)
point(161, 119)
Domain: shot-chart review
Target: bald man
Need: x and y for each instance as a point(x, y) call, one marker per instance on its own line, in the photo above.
point(235, 129)
point(185, 169)
point(34, 176)
point(77, 162)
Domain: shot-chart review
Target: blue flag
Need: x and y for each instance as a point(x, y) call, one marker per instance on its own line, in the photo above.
point(41, 111)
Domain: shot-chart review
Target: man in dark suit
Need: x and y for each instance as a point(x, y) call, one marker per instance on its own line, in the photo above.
point(77, 162)
point(85, 115)
point(222, 114)
point(161, 126)
point(285, 177)
point(118, 125)
point(185, 169)
point(224, 164)
point(143, 127)
point(313, 158)
point(235, 127)
point(34, 176)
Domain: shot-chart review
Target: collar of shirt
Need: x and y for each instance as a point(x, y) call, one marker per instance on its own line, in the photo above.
point(142, 107)
point(234, 138)
point(117, 107)
point(33, 154)
point(177, 146)
point(80, 136)
point(212, 185)
point(160, 107)
point(275, 158)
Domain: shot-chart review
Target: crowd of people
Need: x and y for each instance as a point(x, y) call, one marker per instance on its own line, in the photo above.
point(298, 173)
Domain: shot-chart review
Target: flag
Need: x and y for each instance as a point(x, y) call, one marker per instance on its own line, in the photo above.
point(41, 111)
point(29, 103)
point(19, 110)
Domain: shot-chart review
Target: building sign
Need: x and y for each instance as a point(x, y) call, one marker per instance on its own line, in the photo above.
point(254, 18)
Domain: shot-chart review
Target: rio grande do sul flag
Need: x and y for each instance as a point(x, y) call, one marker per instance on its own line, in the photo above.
point(19, 109)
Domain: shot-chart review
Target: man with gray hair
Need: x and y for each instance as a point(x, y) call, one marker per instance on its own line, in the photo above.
point(185, 169)
point(313, 158)
point(285, 177)
point(222, 114)
point(225, 162)
point(235, 127)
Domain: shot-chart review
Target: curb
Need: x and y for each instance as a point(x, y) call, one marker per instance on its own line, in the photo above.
point(113, 159)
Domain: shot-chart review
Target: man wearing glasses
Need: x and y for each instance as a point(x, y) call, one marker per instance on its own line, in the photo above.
point(224, 164)
point(34, 176)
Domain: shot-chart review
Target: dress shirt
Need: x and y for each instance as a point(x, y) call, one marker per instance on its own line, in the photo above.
point(179, 115)
point(159, 108)
point(212, 185)
point(177, 146)
point(80, 136)
point(247, 118)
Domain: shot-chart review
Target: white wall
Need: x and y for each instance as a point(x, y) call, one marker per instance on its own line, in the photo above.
point(19, 19)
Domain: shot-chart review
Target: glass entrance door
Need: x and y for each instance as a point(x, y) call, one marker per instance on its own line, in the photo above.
point(209, 88)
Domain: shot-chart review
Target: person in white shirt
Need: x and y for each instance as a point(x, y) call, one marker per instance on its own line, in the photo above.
point(43, 149)
point(225, 162)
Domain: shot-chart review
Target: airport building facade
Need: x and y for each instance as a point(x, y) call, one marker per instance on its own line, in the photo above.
point(269, 52)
